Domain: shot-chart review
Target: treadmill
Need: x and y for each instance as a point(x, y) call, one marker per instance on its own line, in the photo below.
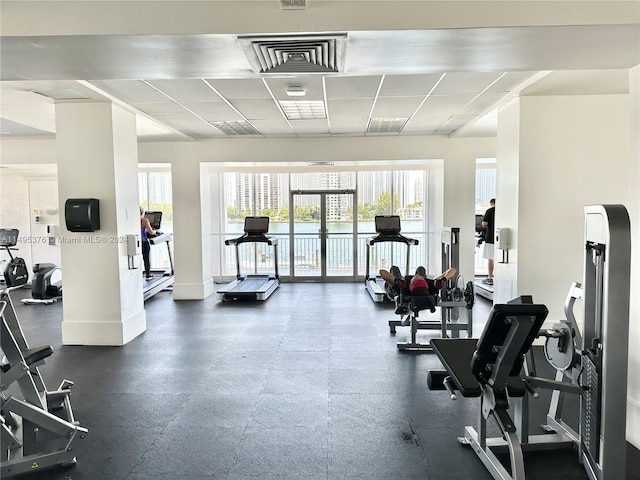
point(388, 230)
point(162, 278)
point(482, 289)
point(255, 286)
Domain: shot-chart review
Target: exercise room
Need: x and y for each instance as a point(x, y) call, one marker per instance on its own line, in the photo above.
point(286, 240)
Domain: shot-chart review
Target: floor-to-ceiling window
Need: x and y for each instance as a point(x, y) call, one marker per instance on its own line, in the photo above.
point(155, 194)
point(485, 191)
point(322, 220)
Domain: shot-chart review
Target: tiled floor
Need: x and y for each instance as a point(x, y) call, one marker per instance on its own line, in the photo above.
point(308, 385)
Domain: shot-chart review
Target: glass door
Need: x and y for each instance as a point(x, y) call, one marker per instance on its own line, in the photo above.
point(322, 243)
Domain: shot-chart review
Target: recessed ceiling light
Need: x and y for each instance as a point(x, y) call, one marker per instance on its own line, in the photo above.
point(305, 110)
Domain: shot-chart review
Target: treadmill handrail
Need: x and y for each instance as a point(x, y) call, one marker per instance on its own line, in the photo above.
point(380, 238)
point(252, 237)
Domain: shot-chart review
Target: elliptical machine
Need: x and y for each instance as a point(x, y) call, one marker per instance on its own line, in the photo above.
point(46, 284)
point(15, 273)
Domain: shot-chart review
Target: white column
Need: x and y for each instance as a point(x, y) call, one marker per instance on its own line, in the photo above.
point(97, 158)
point(192, 230)
point(459, 200)
point(561, 153)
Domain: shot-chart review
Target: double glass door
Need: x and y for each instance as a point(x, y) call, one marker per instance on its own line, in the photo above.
point(322, 240)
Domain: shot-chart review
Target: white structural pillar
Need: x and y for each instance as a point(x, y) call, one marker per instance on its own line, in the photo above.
point(98, 158)
point(192, 227)
point(556, 154)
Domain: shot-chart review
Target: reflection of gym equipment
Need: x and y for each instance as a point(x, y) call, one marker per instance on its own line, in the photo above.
point(15, 272)
point(388, 230)
point(592, 365)
point(162, 278)
point(257, 287)
point(454, 295)
point(38, 430)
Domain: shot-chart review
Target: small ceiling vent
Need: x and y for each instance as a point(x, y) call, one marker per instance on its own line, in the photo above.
point(295, 54)
point(293, 4)
point(386, 125)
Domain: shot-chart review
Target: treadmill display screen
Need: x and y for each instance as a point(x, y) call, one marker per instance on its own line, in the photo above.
point(256, 224)
point(155, 219)
point(387, 224)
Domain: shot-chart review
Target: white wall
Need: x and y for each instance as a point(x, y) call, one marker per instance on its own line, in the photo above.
point(14, 198)
point(557, 154)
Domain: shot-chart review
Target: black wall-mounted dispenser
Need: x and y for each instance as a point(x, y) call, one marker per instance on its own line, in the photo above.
point(82, 214)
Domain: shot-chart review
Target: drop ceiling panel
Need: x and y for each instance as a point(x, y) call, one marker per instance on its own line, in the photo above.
point(456, 83)
point(344, 125)
point(406, 85)
point(132, 91)
point(158, 108)
point(481, 103)
point(315, 127)
point(354, 107)
point(213, 111)
point(443, 104)
point(187, 90)
point(241, 88)
point(394, 107)
point(258, 109)
point(352, 87)
point(275, 126)
point(425, 123)
point(183, 121)
point(19, 130)
point(509, 81)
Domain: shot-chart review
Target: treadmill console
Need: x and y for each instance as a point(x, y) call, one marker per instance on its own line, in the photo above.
point(155, 219)
point(387, 224)
point(253, 225)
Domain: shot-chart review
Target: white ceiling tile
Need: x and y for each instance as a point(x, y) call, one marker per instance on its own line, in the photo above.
point(349, 124)
point(509, 81)
point(187, 90)
point(483, 102)
point(159, 107)
point(350, 107)
point(444, 105)
point(131, 91)
point(272, 127)
point(258, 109)
point(312, 86)
point(310, 126)
point(456, 83)
point(241, 88)
point(407, 85)
point(213, 111)
point(352, 87)
point(394, 107)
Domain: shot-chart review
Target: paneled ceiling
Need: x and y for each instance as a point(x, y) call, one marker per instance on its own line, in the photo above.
point(434, 81)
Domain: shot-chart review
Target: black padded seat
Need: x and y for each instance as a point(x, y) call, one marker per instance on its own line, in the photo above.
point(456, 354)
point(422, 302)
point(31, 356)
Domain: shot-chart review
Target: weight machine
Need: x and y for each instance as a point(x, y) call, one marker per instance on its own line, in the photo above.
point(38, 429)
point(453, 297)
point(592, 365)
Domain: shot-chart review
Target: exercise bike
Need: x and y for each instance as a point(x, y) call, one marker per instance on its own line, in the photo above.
point(15, 272)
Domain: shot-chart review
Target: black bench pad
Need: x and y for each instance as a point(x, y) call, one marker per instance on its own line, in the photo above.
point(455, 355)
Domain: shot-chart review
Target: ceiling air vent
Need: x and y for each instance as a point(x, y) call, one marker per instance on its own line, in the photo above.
point(293, 4)
point(235, 128)
point(295, 54)
point(386, 125)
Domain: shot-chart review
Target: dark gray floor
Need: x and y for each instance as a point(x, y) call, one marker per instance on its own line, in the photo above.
point(308, 385)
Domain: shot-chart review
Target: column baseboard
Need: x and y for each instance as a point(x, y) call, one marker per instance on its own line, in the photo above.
point(104, 333)
point(193, 291)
